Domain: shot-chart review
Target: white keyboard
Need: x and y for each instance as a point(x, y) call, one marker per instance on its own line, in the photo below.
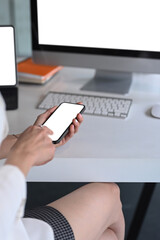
point(95, 105)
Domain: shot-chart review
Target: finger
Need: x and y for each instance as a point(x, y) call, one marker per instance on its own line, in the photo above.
point(50, 110)
point(47, 130)
point(76, 125)
point(79, 118)
point(42, 117)
point(46, 114)
point(71, 131)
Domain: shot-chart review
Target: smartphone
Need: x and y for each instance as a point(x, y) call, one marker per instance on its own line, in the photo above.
point(61, 119)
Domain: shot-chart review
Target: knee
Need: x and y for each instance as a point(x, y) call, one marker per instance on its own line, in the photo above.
point(115, 194)
point(107, 187)
point(115, 191)
point(107, 192)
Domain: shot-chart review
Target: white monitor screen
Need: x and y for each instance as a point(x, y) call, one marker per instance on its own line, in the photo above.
point(112, 24)
point(7, 57)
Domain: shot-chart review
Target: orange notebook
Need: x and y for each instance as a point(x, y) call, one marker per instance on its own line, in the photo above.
point(30, 72)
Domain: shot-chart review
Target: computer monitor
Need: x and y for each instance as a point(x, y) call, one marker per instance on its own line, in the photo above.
point(8, 74)
point(116, 37)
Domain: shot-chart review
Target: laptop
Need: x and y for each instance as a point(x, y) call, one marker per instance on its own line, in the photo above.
point(8, 72)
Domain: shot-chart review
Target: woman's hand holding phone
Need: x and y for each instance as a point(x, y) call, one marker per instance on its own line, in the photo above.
point(74, 127)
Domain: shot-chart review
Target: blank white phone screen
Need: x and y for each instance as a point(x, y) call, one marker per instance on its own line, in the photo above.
point(62, 118)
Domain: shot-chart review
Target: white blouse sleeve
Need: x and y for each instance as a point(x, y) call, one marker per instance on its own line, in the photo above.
point(12, 198)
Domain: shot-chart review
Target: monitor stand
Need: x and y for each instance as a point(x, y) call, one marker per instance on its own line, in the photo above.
point(10, 95)
point(109, 82)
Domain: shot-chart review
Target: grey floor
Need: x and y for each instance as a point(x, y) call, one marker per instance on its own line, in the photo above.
point(43, 193)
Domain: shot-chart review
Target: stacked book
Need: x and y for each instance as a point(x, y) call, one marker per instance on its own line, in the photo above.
point(30, 72)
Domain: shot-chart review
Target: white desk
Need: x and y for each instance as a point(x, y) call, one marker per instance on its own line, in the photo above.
point(105, 149)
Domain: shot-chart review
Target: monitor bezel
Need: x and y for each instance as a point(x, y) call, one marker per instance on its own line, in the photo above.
point(82, 50)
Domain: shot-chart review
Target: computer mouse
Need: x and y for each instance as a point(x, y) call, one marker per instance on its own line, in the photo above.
point(155, 111)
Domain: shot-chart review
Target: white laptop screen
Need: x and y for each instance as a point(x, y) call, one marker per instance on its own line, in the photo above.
point(7, 56)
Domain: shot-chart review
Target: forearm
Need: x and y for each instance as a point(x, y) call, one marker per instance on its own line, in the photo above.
point(23, 164)
point(7, 144)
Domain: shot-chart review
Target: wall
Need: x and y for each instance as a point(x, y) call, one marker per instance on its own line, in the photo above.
point(17, 13)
